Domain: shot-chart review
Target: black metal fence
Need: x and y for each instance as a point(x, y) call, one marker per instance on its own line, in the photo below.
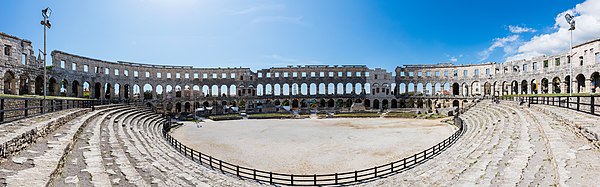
point(342, 178)
point(586, 104)
point(12, 109)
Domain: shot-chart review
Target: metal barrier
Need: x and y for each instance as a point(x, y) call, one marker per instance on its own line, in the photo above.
point(314, 180)
point(586, 104)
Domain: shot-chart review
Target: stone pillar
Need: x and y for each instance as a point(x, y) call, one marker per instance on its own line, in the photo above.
point(588, 86)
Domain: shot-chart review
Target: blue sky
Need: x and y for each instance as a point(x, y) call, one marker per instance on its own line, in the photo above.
point(266, 33)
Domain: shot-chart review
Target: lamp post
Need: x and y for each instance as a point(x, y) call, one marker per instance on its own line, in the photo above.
point(46, 23)
point(571, 22)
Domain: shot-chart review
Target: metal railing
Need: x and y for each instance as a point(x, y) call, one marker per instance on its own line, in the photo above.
point(12, 109)
point(342, 178)
point(586, 104)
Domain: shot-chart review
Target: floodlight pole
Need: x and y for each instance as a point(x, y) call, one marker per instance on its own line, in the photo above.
point(571, 64)
point(44, 65)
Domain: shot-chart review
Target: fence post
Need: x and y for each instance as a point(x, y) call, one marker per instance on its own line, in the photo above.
point(315, 179)
point(270, 177)
point(237, 170)
point(2, 108)
point(578, 98)
point(375, 171)
point(42, 106)
point(392, 167)
point(254, 173)
point(221, 166)
point(592, 107)
point(336, 178)
point(292, 181)
point(26, 107)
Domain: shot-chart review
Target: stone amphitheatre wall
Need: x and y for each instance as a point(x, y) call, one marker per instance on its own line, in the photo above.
point(223, 90)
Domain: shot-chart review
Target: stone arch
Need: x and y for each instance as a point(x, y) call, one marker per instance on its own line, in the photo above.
point(75, 87)
point(117, 90)
point(259, 90)
point(178, 91)
point(86, 90)
point(595, 82)
point(580, 83)
point(136, 91)
point(556, 85)
point(340, 88)
point(10, 83)
point(148, 91)
point(348, 88)
point(107, 90)
point(127, 91)
point(187, 107)
point(487, 89)
point(394, 103)
point(39, 85)
point(24, 84)
point(358, 88)
point(534, 86)
point(64, 87)
point(214, 89)
point(159, 91)
point(223, 90)
point(52, 87)
point(303, 89)
point(545, 84)
point(313, 89)
point(385, 104)
point(428, 89)
point(97, 90)
point(376, 104)
point(524, 87)
point(455, 89)
point(286, 89)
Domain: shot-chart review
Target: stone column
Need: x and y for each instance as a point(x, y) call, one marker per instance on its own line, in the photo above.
point(588, 86)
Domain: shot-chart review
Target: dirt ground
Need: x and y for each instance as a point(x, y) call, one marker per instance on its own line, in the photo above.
point(313, 146)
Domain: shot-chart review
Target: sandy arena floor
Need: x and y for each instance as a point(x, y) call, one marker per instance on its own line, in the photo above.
point(313, 146)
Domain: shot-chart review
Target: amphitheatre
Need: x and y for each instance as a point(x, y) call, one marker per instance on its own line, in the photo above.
point(119, 123)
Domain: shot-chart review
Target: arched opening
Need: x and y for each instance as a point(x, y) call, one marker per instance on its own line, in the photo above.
point(595, 81)
point(97, 90)
point(52, 87)
point(556, 85)
point(330, 103)
point(580, 83)
point(86, 90)
point(384, 104)
point(524, 87)
point(107, 91)
point(394, 103)
point(10, 83)
point(136, 92)
point(178, 91)
point(188, 107)
point(117, 91)
point(487, 89)
point(295, 103)
point(376, 104)
point(39, 85)
point(367, 103)
point(147, 91)
point(455, 89)
point(126, 91)
point(24, 84)
point(455, 103)
point(515, 87)
point(64, 87)
point(178, 107)
point(75, 89)
point(534, 86)
point(545, 85)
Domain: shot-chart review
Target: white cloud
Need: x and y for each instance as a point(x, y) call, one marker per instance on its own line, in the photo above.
point(587, 18)
point(508, 44)
point(518, 29)
point(278, 19)
point(259, 8)
point(452, 59)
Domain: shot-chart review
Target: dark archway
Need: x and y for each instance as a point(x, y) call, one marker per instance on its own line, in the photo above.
point(75, 89)
point(39, 85)
point(97, 90)
point(455, 89)
point(580, 83)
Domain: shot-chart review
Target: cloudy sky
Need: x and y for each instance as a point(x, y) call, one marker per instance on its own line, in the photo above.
point(267, 33)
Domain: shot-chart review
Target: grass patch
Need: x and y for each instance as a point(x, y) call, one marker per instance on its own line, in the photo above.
point(357, 115)
point(270, 116)
point(225, 117)
point(401, 115)
point(436, 116)
point(40, 97)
